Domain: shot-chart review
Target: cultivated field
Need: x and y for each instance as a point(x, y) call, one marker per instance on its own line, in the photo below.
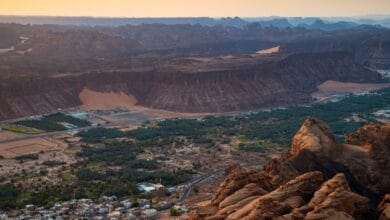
point(6, 135)
point(30, 146)
point(21, 129)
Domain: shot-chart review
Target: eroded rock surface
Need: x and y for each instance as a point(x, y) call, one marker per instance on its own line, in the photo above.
point(318, 179)
point(384, 208)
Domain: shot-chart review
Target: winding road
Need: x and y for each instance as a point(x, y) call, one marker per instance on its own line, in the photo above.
point(190, 185)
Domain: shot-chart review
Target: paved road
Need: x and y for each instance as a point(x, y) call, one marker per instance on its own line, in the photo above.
point(190, 185)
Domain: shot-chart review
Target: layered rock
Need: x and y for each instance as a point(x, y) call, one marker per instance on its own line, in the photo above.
point(334, 200)
point(241, 179)
point(270, 84)
point(318, 179)
point(282, 199)
point(248, 190)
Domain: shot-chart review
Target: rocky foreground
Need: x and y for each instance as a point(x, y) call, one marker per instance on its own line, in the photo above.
point(318, 179)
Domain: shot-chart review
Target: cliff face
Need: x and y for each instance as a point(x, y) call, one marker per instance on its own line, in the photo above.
point(285, 82)
point(375, 53)
point(319, 179)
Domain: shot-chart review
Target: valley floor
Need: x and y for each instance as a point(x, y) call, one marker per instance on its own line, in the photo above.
point(188, 154)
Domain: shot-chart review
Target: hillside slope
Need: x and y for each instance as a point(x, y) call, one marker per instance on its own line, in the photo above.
point(285, 82)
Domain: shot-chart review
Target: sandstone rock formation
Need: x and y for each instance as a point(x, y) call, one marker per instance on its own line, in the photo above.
point(248, 190)
point(384, 208)
point(240, 178)
point(316, 137)
point(334, 200)
point(365, 155)
point(318, 179)
point(282, 199)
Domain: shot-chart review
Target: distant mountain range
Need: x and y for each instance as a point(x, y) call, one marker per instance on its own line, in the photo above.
point(327, 24)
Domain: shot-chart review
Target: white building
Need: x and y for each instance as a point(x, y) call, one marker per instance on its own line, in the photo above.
point(149, 187)
point(3, 217)
point(150, 213)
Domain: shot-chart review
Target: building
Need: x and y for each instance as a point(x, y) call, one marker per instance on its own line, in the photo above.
point(3, 216)
point(68, 125)
point(149, 214)
point(149, 187)
point(80, 115)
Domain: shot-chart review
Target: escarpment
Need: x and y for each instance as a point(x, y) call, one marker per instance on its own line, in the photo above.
point(276, 83)
point(318, 179)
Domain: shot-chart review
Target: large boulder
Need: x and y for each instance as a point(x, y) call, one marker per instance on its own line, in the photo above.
point(315, 136)
point(384, 208)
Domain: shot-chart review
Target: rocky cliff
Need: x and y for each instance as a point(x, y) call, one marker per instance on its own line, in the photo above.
point(276, 83)
point(318, 179)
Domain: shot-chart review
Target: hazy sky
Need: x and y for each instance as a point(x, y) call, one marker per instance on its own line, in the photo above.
point(193, 8)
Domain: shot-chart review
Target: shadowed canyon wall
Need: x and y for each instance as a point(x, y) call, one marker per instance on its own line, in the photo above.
point(285, 82)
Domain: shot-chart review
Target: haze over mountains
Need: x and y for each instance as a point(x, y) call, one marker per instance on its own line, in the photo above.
point(326, 23)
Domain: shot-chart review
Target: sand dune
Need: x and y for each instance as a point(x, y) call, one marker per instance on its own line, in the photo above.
point(93, 100)
point(330, 88)
point(269, 51)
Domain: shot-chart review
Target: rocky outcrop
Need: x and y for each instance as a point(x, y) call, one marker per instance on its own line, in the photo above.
point(240, 179)
point(316, 137)
point(318, 179)
point(368, 156)
point(282, 199)
point(384, 208)
point(334, 200)
point(365, 155)
point(248, 190)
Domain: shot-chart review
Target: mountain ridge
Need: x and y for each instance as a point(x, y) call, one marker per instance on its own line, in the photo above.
point(289, 81)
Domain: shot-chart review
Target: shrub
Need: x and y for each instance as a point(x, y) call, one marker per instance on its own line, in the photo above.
point(175, 212)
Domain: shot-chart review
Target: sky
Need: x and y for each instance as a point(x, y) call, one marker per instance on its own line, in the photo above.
point(195, 8)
